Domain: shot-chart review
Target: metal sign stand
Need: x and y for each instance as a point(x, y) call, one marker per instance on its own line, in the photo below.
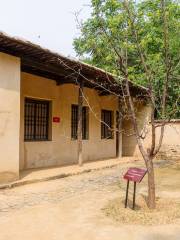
point(134, 195)
point(135, 175)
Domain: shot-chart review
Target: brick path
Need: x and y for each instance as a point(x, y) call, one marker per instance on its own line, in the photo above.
point(57, 190)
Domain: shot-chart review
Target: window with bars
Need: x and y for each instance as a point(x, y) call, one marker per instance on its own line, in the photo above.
point(106, 124)
point(36, 122)
point(74, 122)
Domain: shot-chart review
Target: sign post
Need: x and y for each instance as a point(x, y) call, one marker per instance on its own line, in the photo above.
point(135, 175)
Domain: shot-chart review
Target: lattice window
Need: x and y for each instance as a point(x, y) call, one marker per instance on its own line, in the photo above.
point(74, 122)
point(106, 124)
point(36, 122)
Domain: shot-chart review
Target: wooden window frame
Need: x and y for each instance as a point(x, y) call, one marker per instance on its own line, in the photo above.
point(107, 121)
point(74, 122)
point(36, 116)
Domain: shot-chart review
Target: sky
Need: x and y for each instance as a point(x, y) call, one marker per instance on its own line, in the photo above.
point(49, 23)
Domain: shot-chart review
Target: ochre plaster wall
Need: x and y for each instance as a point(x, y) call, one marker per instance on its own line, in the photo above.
point(129, 144)
point(9, 117)
point(61, 150)
point(170, 148)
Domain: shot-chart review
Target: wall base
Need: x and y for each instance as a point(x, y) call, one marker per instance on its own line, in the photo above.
point(6, 177)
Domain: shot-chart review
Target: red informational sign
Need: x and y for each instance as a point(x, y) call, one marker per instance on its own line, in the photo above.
point(56, 119)
point(135, 174)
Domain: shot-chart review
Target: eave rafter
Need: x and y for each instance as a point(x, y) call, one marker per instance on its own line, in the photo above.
point(43, 62)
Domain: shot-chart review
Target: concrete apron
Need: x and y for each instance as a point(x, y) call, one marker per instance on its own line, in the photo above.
point(46, 174)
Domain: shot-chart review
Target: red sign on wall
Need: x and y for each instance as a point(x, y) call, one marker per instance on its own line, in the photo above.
point(56, 119)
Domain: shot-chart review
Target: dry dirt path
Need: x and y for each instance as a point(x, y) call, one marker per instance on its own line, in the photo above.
point(71, 208)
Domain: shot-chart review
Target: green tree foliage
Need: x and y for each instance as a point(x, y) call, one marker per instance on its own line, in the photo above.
point(109, 30)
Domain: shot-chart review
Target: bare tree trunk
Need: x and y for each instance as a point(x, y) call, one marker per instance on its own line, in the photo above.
point(119, 130)
point(147, 156)
point(151, 184)
point(79, 130)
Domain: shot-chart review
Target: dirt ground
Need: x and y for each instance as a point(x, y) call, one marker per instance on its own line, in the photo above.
point(73, 208)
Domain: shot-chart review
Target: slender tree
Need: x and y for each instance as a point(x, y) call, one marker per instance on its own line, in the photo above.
point(135, 42)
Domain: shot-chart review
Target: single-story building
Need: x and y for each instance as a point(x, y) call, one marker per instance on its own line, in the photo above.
point(55, 110)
